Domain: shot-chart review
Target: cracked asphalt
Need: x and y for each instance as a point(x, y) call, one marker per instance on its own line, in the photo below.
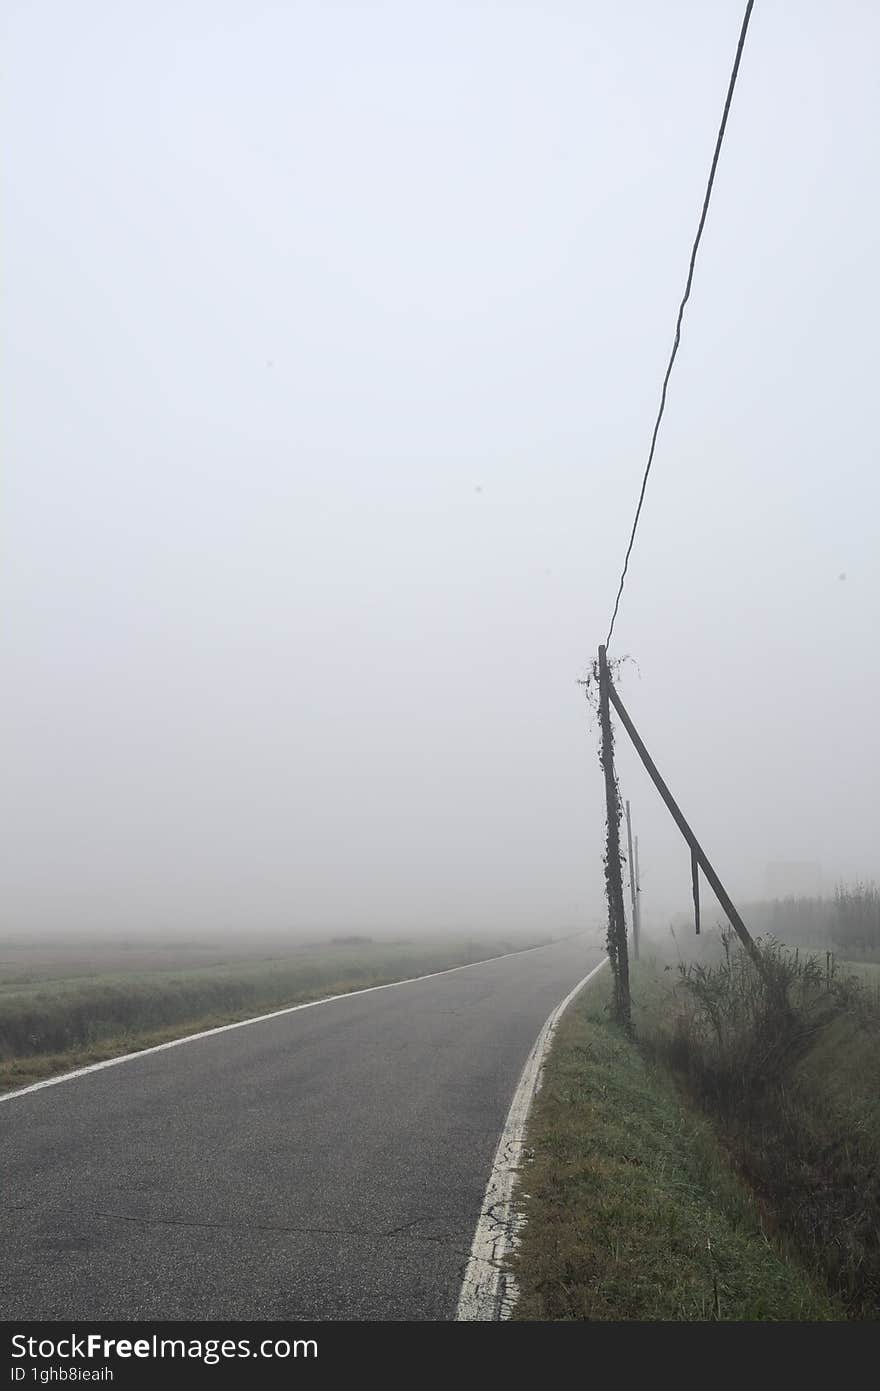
point(327, 1164)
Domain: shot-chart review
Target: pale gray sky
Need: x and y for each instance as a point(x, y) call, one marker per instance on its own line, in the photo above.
point(333, 338)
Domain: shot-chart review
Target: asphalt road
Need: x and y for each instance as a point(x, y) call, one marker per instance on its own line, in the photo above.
point(326, 1164)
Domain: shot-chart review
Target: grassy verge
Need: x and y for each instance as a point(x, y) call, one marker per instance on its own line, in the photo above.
point(785, 1063)
point(55, 1016)
point(633, 1208)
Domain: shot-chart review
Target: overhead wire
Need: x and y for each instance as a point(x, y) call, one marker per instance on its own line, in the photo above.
point(687, 290)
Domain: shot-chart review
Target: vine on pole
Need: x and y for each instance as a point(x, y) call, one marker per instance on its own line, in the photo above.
point(618, 953)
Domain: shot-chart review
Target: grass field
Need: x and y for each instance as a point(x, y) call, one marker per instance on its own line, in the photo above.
point(67, 1003)
point(867, 972)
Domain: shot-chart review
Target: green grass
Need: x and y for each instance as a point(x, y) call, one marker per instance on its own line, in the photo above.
point(867, 973)
point(633, 1209)
point(58, 1013)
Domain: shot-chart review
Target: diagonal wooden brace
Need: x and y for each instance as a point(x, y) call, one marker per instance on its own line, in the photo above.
point(697, 851)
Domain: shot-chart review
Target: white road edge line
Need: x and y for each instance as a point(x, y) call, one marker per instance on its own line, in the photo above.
point(488, 1291)
point(256, 1019)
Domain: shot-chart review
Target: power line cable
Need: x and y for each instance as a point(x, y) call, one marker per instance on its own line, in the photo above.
point(687, 290)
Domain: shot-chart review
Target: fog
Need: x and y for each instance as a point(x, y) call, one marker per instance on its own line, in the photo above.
point(333, 339)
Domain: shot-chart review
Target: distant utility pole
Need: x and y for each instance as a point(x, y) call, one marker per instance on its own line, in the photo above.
point(637, 927)
point(617, 948)
point(632, 883)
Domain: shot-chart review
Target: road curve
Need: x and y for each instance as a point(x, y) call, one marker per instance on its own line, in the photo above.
point(324, 1164)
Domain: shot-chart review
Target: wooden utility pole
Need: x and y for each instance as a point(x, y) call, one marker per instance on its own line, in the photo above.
point(695, 882)
point(637, 926)
point(617, 949)
point(632, 884)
